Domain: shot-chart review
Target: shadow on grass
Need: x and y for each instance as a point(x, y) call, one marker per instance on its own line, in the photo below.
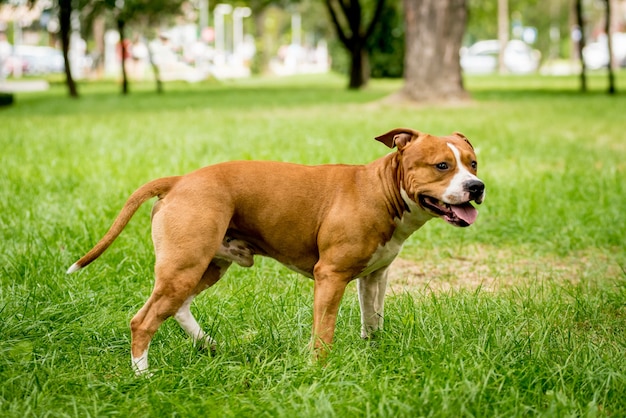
point(514, 87)
point(104, 97)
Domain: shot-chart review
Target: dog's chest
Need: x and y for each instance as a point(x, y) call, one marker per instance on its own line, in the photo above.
point(386, 252)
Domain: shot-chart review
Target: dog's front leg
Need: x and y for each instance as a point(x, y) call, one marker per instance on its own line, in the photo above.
point(329, 289)
point(371, 291)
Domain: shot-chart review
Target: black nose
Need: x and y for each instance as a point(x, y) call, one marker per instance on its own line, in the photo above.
point(475, 188)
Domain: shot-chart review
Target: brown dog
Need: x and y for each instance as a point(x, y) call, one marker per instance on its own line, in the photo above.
point(333, 223)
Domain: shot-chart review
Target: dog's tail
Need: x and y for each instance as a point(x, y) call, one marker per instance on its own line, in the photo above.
point(158, 187)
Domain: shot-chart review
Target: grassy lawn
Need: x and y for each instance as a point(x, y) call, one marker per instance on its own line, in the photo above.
point(524, 313)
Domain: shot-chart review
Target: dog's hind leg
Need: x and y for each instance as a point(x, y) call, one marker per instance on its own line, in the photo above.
point(231, 250)
point(172, 288)
point(185, 318)
point(185, 240)
point(183, 268)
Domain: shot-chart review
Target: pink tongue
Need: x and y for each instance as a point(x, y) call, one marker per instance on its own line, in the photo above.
point(467, 212)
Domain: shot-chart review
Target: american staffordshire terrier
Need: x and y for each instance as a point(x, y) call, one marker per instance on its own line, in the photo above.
point(332, 223)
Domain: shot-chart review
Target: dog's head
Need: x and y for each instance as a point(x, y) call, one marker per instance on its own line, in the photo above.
point(438, 173)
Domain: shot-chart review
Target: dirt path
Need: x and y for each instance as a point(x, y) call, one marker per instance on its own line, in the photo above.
point(494, 269)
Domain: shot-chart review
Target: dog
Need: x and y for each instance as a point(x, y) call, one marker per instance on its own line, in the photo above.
point(332, 223)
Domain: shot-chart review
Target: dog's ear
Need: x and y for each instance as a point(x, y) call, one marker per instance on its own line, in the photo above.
point(398, 137)
point(464, 138)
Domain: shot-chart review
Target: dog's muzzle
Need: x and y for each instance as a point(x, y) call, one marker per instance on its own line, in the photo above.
point(459, 214)
point(476, 190)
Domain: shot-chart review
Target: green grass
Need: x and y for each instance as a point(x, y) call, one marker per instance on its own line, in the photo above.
point(522, 314)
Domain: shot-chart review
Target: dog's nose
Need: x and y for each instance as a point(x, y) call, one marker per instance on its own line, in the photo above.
point(475, 188)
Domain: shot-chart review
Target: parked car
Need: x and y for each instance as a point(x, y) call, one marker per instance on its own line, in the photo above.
point(39, 59)
point(482, 57)
point(596, 54)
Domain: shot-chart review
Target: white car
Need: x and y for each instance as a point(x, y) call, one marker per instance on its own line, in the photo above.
point(596, 54)
point(482, 57)
point(39, 59)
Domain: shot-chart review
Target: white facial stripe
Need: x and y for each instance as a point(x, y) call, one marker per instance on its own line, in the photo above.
point(455, 193)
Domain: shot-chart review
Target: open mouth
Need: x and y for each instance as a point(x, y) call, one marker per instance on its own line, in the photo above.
point(458, 215)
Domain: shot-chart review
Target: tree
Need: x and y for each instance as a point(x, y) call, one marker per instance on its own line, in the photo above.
point(65, 13)
point(141, 13)
point(578, 11)
point(135, 11)
point(121, 25)
point(259, 8)
point(607, 30)
point(503, 32)
point(65, 29)
point(354, 34)
point(581, 44)
point(386, 45)
point(434, 32)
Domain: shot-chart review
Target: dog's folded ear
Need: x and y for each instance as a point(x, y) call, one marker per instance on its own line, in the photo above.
point(464, 138)
point(398, 137)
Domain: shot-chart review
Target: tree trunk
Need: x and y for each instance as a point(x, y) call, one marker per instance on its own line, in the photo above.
point(155, 69)
point(354, 37)
point(65, 13)
point(503, 32)
point(434, 32)
point(359, 68)
point(120, 28)
point(264, 54)
point(99, 28)
point(581, 45)
point(607, 29)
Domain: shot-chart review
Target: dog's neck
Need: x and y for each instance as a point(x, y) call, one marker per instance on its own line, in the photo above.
point(391, 175)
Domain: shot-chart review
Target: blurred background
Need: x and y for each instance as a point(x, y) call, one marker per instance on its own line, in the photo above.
point(198, 40)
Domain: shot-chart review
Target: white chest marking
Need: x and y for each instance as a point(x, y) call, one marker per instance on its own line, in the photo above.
point(410, 222)
point(455, 192)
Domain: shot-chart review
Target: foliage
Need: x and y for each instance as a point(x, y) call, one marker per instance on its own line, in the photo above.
point(387, 48)
point(272, 29)
point(386, 45)
point(141, 13)
point(548, 340)
point(354, 27)
point(131, 11)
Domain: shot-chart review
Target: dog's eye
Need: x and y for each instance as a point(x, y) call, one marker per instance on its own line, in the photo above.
point(442, 166)
point(474, 165)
